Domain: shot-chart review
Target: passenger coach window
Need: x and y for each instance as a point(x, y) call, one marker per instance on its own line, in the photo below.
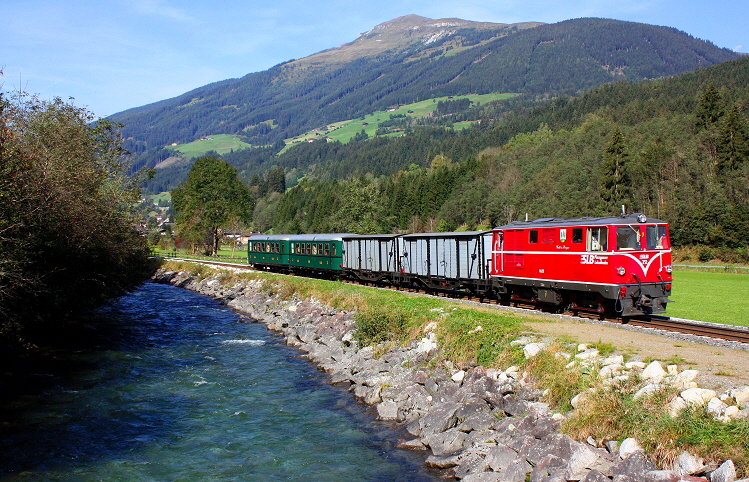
point(577, 235)
point(533, 236)
point(597, 239)
point(327, 250)
point(627, 238)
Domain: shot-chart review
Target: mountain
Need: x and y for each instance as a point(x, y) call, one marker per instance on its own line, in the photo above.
point(414, 58)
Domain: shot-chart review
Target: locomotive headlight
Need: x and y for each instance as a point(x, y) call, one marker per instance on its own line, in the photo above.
point(621, 270)
point(668, 268)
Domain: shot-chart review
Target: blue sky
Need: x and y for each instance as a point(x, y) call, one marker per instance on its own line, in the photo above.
point(111, 55)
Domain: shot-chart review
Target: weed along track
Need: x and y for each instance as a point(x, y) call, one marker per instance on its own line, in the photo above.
point(663, 323)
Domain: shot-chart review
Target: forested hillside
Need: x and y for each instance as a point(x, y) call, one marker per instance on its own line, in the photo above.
point(453, 58)
point(676, 149)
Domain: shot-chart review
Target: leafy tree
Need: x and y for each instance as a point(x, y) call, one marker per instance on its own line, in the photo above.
point(67, 215)
point(211, 196)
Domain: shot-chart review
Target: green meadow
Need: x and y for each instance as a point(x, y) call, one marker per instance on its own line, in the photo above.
point(343, 131)
point(221, 143)
point(714, 297)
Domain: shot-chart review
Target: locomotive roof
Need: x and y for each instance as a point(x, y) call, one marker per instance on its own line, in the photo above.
point(635, 218)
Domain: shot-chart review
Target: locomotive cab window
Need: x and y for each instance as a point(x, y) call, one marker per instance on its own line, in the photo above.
point(627, 238)
point(577, 235)
point(533, 236)
point(597, 239)
point(655, 237)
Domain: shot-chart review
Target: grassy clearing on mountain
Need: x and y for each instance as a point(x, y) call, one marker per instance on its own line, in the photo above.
point(221, 143)
point(346, 130)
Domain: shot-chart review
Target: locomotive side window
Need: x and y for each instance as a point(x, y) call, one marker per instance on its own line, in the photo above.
point(627, 238)
point(577, 235)
point(533, 236)
point(597, 239)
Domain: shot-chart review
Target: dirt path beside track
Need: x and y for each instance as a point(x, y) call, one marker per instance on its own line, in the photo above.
point(720, 367)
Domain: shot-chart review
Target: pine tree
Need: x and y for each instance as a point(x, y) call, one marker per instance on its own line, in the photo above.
point(616, 186)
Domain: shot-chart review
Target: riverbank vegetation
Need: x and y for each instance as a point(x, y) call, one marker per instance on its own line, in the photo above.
point(67, 225)
point(480, 335)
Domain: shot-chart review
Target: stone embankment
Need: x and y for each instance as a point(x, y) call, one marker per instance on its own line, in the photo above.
point(475, 424)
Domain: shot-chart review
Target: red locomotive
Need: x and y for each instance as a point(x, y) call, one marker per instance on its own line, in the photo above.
point(614, 265)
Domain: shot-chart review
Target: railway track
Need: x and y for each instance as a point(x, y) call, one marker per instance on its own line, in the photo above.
point(663, 323)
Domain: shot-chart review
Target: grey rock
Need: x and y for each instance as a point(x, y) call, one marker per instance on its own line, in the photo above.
point(514, 406)
point(670, 476)
point(634, 466)
point(471, 463)
point(725, 473)
point(612, 446)
point(440, 418)
point(687, 464)
point(483, 477)
point(477, 422)
point(445, 443)
point(387, 410)
point(550, 466)
point(501, 457)
point(414, 444)
point(442, 462)
point(517, 471)
point(595, 476)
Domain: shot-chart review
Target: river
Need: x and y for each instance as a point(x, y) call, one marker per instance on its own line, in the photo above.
point(184, 388)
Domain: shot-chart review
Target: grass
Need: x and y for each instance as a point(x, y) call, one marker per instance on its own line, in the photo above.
point(345, 130)
point(714, 297)
point(221, 143)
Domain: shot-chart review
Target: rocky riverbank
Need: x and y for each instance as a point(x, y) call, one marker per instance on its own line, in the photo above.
point(477, 424)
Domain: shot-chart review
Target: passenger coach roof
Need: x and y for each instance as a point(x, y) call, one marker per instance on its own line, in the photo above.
point(585, 221)
point(317, 237)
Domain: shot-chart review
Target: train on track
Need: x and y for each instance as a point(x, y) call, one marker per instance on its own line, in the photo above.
point(610, 266)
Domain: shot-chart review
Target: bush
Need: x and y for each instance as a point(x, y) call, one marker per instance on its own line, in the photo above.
point(705, 254)
point(375, 325)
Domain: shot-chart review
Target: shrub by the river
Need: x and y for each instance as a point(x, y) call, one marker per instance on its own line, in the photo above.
point(377, 324)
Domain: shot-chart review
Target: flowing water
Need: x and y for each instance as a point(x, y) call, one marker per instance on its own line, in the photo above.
point(183, 388)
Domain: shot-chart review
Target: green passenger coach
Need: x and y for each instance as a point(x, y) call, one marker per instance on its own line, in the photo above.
point(268, 251)
point(317, 252)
